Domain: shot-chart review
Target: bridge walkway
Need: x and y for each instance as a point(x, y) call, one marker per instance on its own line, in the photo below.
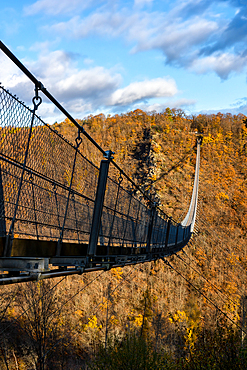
point(59, 213)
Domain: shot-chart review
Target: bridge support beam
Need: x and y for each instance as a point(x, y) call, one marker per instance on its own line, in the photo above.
point(98, 207)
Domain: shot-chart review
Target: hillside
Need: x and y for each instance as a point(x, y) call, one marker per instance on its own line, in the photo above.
point(192, 310)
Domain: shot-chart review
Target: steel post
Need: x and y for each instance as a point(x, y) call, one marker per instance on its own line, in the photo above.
point(150, 229)
point(98, 207)
point(176, 240)
point(167, 232)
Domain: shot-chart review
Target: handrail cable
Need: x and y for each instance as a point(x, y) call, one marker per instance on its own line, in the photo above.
point(47, 125)
point(40, 87)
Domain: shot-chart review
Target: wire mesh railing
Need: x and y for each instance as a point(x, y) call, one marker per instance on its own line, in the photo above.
point(55, 203)
point(46, 189)
point(57, 195)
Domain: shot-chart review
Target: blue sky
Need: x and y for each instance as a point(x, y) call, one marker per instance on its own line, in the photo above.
point(115, 56)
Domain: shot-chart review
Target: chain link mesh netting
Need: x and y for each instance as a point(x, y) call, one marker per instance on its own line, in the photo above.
point(45, 189)
point(126, 219)
point(55, 198)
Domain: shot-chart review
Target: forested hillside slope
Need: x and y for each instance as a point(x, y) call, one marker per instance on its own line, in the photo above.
point(184, 314)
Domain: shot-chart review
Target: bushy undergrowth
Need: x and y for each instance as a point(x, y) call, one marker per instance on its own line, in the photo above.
point(217, 350)
point(132, 352)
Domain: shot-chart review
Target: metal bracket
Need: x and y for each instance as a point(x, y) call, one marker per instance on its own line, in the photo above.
point(109, 154)
point(78, 262)
point(29, 264)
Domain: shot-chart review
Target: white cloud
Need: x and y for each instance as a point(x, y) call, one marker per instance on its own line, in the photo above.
point(45, 46)
point(14, 80)
point(178, 41)
point(80, 90)
point(143, 2)
point(88, 61)
point(61, 76)
point(78, 108)
point(101, 23)
point(183, 31)
point(223, 64)
point(158, 87)
point(48, 113)
point(54, 7)
point(89, 83)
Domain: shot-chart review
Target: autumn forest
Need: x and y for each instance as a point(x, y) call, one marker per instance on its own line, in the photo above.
point(187, 312)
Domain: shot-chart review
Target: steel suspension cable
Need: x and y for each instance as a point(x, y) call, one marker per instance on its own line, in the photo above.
point(79, 291)
point(89, 315)
point(213, 285)
point(218, 238)
point(224, 293)
point(200, 249)
point(199, 291)
point(37, 301)
point(43, 295)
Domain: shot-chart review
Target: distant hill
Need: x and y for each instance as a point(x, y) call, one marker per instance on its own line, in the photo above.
point(189, 315)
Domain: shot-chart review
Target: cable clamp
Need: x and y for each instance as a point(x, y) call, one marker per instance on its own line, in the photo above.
point(109, 154)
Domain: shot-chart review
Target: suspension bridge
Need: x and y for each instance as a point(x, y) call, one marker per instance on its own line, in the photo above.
point(62, 215)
